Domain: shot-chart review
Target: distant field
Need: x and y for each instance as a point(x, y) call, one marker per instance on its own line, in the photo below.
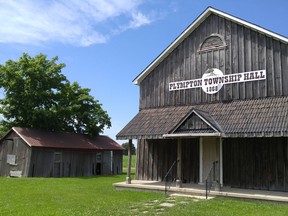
point(96, 196)
point(125, 163)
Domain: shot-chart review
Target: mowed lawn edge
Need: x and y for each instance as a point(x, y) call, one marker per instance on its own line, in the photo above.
point(67, 196)
point(97, 196)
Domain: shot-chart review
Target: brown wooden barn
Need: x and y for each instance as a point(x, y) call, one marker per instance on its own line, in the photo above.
point(34, 153)
point(215, 98)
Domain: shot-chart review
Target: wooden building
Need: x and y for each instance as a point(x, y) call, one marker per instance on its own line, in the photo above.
point(217, 96)
point(33, 153)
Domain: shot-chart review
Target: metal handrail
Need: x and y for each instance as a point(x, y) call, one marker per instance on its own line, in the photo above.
point(211, 177)
point(168, 172)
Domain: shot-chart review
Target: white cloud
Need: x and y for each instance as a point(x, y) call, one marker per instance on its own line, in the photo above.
point(138, 20)
point(76, 22)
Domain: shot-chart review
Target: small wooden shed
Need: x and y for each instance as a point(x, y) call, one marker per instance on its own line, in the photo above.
point(28, 152)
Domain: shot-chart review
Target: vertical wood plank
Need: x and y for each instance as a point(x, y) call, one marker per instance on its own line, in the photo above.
point(248, 61)
point(255, 63)
point(241, 59)
point(234, 63)
point(284, 66)
point(187, 71)
point(262, 63)
point(277, 68)
point(228, 88)
point(269, 67)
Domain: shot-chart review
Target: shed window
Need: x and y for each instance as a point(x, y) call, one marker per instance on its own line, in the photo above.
point(57, 157)
point(99, 157)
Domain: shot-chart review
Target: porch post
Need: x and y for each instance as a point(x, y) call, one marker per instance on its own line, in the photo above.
point(201, 160)
point(179, 164)
point(128, 178)
point(221, 161)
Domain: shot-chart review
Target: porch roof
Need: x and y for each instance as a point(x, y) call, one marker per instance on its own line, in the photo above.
point(242, 118)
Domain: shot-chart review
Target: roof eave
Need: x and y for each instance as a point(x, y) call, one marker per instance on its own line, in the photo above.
point(172, 46)
point(20, 135)
point(192, 135)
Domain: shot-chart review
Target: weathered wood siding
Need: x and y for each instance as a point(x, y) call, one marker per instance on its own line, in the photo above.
point(155, 157)
point(14, 147)
point(62, 163)
point(246, 50)
point(107, 162)
point(117, 162)
point(70, 163)
point(256, 163)
point(46, 162)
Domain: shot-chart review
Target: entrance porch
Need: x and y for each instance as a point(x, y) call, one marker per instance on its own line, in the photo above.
point(199, 190)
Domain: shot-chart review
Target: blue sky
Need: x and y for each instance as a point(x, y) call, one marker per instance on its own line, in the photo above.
point(105, 44)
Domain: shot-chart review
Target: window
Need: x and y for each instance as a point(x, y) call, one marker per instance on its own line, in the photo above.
point(57, 157)
point(213, 42)
point(99, 157)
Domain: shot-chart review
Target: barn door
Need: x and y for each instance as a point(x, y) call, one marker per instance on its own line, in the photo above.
point(57, 164)
point(99, 164)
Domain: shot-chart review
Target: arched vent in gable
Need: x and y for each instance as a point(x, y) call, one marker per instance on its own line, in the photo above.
point(213, 42)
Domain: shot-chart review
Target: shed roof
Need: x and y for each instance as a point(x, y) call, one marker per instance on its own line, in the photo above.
point(192, 27)
point(242, 118)
point(64, 140)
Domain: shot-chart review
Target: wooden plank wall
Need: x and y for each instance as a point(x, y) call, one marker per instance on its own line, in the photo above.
point(246, 50)
point(106, 162)
point(190, 160)
point(117, 162)
point(22, 155)
point(40, 162)
point(72, 164)
point(155, 157)
point(256, 163)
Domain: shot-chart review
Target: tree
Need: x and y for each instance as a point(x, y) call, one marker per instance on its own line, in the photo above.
point(38, 95)
point(125, 146)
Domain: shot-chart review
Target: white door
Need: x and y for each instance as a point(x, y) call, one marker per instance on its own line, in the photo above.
point(210, 154)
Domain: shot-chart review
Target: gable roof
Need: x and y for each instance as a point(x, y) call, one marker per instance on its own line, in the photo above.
point(192, 27)
point(243, 118)
point(64, 140)
point(197, 122)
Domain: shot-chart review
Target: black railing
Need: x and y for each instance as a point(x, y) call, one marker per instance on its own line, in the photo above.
point(166, 176)
point(211, 178)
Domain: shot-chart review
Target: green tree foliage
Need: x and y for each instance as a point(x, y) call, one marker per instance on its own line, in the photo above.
point(38, 95)
point(125, 146)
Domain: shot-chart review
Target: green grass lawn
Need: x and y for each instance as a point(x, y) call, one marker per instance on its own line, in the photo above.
point(96, 196)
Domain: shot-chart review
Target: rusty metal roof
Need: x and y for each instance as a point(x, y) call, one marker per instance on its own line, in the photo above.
point(65, 140)
point(249, 118)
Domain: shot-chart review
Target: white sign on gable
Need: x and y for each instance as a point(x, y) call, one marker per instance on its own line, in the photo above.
point(213, 80)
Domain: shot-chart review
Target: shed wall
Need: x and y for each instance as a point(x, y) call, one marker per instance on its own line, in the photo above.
point(69, 163)
point(14, 157)
point(117, 162)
